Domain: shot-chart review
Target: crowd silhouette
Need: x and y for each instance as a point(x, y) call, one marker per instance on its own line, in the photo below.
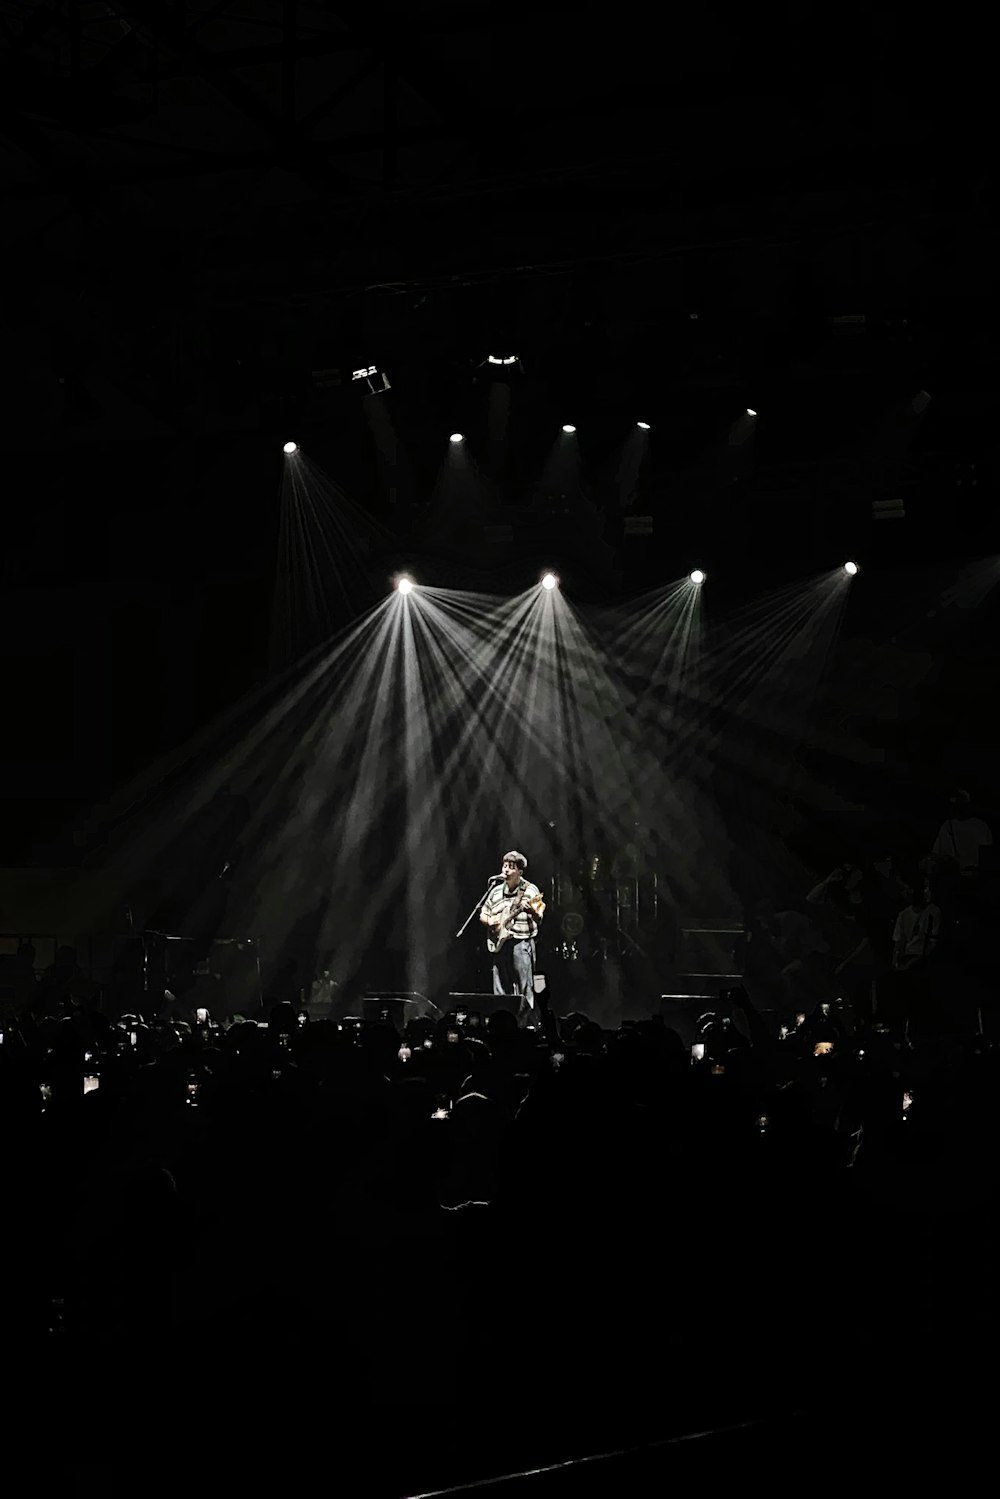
point(458, 1216)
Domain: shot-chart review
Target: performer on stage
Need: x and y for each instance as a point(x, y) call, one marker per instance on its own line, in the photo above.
point(512, 911)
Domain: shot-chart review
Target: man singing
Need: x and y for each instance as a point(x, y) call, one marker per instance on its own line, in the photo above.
point(512, 912)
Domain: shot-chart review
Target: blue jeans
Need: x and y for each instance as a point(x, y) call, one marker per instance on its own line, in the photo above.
point(514, 969)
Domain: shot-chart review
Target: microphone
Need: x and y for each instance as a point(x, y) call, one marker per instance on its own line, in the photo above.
point(495, 877)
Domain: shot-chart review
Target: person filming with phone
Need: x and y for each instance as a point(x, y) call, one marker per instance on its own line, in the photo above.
point(512, 913)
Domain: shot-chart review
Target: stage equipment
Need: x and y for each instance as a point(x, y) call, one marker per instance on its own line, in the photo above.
point(222, 975)
point(396, 1007)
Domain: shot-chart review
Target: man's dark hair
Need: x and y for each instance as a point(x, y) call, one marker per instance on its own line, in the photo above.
point(515, 858)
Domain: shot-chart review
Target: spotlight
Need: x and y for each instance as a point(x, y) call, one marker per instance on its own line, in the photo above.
point(643, 425)
point(569, 427)
point(456, 437)
point(697, 576)
point(405, 585)
point(374, 380)
point(851, 569)
point(291, 447)
point(504, 369)
point(549, 580)
point(750, 413)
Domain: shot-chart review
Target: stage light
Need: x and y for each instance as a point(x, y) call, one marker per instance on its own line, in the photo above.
point(697, 576)
point(750, 413)
point(569, 427)
point(456, 437)
point(851, 569)
point(549, 580)
point(405, 585)
point(376, 382)
point(503, 369)
point(643, 425)
point(291, 447)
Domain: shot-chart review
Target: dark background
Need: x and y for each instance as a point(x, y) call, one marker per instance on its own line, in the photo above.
point(210, 220)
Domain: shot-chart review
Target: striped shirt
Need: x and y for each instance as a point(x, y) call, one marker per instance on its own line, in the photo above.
point(525, 923)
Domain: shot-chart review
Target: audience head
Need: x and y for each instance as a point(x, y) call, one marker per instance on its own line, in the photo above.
point(502, 1025)
point(419, 1030)
point(589, 1039)
point(283, 1018)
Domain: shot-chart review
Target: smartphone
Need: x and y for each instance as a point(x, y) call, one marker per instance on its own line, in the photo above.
point(822, 1048)
point(193, 1089)
point(303, 1018)
point(276, 1075)
point(907, 1102)
point(443, 1109)
point(91, 1082)
point(461, 1017)
point(454, 1036)
point(717, 1069)
point(404, 1053)
point(201, 1016)
point(557, 1058)
point(46, 1091)
point(763, 1123)
point(428, 1043)
point(698, 1051)
point(134, 1037)
point(285, 1040)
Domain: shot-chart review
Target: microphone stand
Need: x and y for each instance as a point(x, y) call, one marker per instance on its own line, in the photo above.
point(494, 880)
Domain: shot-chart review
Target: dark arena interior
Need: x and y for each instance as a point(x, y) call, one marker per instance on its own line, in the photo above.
point(500, 755)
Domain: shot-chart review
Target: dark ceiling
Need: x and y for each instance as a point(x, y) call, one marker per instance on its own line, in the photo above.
point(210, 213)
point(287, 185)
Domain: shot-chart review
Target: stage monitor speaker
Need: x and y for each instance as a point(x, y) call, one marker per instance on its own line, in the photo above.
point(381, 1011)
point(395, 1006)
point(483, 1004)
point(705, 956)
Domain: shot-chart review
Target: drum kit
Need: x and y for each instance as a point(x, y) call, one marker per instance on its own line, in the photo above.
point(603, 903)
point(221, 973)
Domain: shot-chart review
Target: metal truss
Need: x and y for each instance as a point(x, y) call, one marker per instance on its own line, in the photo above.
point(69, 65)
point(61, 64)
point(399, 169)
